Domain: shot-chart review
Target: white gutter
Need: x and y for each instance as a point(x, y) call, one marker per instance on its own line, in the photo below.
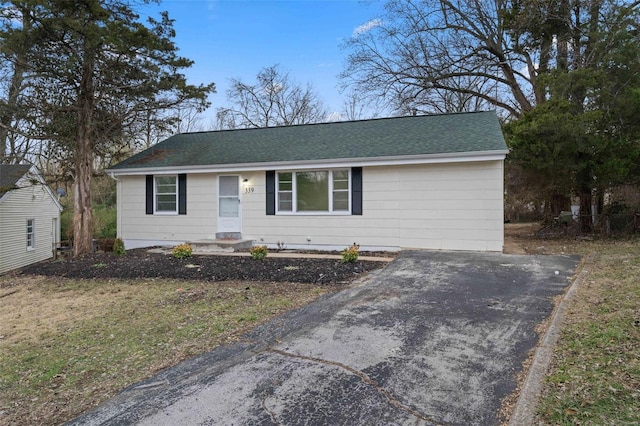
point(328, 163)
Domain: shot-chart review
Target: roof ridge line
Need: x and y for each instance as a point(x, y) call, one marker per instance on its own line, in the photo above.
point(335, 122)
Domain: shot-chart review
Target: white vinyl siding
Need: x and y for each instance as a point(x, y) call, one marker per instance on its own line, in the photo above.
point(452, 206)
point(29, 202)
point(167, 229)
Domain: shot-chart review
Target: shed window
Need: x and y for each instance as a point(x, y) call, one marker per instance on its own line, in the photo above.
point(314, 191)
point(31, 233)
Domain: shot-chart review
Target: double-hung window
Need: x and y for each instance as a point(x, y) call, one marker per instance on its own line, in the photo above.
point(314, 191)
point(31, 233)
point(166, 194)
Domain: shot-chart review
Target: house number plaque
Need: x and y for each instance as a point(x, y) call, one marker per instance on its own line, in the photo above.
point(248, 190)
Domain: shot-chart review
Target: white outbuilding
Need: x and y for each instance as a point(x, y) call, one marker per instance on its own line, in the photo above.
point(29, 217)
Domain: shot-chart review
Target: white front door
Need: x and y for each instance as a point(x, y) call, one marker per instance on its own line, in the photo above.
point(229, 213)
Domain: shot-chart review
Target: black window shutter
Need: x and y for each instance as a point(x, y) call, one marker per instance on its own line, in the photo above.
point(356, 191)
point(271, 192)
point(182, 194)
point(149, 194)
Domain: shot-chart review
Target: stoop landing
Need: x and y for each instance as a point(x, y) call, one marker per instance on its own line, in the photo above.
point(221, 244)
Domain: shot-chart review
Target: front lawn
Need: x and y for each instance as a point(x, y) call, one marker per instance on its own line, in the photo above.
point(69, 344)
point(594, 378)
point(595, 373)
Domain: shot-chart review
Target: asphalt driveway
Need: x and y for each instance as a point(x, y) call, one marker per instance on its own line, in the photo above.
point(434, 338)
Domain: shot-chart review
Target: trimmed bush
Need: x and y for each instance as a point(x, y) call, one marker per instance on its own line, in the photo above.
point(350, 254)
point(259, 252)
point(118, 247)
point(182, 251)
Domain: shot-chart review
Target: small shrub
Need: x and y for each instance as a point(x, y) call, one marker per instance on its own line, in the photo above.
point(350, 254)
point(182, 251)
point(259, 252)
point(118, 247)
point(106, 244)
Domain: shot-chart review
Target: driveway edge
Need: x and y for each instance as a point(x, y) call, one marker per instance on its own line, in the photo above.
point(525, 410)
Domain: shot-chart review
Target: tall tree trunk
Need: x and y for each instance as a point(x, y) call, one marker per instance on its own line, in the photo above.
point(82, 209)
point(586, 223)
point(539, 89)
point(563, 35)
point(584, 183)
point(594, 20)
point(8, 115)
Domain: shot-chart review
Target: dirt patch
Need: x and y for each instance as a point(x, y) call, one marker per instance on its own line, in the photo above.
point(522, 238)
point(518, 236)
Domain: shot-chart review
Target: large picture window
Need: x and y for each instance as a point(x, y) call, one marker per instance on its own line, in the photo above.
point(166, 195)
point(313, 191)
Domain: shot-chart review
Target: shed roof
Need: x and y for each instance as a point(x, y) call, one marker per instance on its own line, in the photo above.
point(377, 138)
point(10, 174)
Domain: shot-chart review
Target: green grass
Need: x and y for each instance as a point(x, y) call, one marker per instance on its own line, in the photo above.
point(133, 330)
point(595, 373)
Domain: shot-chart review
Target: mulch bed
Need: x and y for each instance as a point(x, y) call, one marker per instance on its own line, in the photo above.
point(140, 263)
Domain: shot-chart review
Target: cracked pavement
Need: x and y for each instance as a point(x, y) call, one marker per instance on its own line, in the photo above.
point(434, 338)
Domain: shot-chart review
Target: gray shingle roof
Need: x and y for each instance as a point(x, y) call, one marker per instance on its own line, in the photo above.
point(10, 174)
point(386, 137)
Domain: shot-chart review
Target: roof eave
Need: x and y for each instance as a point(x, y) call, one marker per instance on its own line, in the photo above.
point(35, 172)
point(456, 157)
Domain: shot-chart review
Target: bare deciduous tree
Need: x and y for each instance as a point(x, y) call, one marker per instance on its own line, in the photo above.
point(14, 51)
point(274, 100)
point(461, 55)
point(438, 55)
point(357, 106)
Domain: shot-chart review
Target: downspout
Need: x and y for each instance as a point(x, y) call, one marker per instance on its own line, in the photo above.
point(118, 204)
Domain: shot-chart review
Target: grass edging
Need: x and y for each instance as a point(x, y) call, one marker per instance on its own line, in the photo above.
point(525, 409)
point(594, 375)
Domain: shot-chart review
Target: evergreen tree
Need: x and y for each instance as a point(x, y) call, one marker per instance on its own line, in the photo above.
point(96, 74)
point(584, 138)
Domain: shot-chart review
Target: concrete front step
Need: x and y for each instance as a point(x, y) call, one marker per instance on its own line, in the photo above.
point(220, 244)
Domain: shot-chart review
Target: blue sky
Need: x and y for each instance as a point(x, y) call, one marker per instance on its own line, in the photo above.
point(236, 38)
